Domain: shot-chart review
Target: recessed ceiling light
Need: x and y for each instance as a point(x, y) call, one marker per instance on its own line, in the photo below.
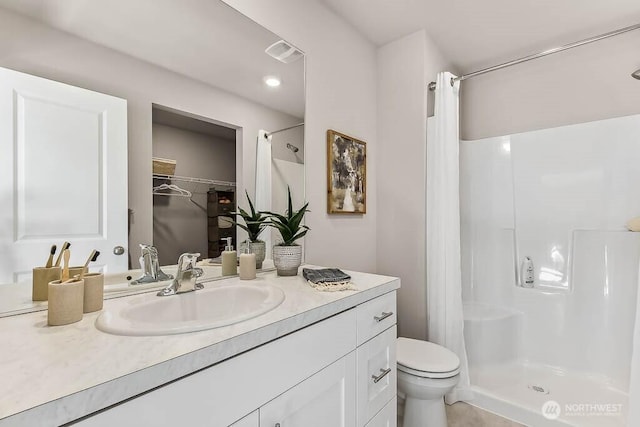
point(272, 81)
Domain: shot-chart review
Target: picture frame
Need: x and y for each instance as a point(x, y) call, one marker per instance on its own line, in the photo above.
point(346, 174)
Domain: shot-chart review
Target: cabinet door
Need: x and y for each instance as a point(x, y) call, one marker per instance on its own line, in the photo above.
point(376, 374)
point(388, 417)
point(325, 399)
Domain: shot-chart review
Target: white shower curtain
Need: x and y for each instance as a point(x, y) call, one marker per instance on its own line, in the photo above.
point(444, 289)
point(263, 183)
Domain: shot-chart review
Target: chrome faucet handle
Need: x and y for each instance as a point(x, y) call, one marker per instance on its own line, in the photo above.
point(156, 271)
point(146, 259)
point(150, 266)
point(186, 276)
point(146, 265)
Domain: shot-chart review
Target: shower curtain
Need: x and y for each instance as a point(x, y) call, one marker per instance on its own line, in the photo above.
point(263, 183)
point(444, 289)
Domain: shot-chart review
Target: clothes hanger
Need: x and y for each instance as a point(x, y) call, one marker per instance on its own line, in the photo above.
point(181, 192)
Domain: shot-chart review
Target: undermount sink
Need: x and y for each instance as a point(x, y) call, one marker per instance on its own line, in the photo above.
point(209, 308)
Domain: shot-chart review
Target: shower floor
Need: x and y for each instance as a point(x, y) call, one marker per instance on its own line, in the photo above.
point(518, 391)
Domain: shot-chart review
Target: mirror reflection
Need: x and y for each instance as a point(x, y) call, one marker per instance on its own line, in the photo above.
point(91, 92)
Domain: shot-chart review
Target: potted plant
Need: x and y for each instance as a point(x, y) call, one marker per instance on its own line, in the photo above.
point(287, 255)
point(254, 224)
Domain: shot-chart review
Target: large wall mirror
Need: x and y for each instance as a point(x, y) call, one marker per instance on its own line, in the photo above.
point(91, 91)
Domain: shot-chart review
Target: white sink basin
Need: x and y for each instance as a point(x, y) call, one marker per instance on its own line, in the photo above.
point(209, 308)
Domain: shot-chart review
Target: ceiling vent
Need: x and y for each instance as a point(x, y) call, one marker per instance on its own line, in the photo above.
point(284, 52)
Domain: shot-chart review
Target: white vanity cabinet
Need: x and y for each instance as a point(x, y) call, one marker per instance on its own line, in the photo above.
point(376, 356)
point(320, 376)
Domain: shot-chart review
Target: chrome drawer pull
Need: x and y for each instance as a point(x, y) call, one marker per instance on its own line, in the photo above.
point(383, 316)
point(383, 374)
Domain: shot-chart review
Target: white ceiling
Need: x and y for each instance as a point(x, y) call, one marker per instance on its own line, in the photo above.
point(477, 33)
point(203, 39)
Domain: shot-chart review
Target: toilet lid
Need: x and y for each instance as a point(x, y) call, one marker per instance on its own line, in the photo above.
point(424, 356)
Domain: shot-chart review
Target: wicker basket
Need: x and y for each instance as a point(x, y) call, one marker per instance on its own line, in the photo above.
point(287, 259)
point(164, 166)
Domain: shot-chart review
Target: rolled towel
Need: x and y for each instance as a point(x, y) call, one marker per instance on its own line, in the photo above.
point(634, 224)
point(328, 279)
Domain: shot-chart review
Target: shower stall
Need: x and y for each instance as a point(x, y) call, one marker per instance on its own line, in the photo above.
point(549, 271)
point(281, 160)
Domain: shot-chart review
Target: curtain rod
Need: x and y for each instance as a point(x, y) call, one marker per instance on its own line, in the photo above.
point(282, 130)
point(432, 85)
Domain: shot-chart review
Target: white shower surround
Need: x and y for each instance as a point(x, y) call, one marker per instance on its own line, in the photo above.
point(287, 171)
point(562, 197)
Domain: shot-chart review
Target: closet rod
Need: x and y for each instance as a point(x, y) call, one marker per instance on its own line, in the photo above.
point(194, 180)
point(282, 130)
point(432, 85)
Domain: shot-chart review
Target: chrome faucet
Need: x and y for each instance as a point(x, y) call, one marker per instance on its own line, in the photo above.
point(186, 276)
point(150, 266)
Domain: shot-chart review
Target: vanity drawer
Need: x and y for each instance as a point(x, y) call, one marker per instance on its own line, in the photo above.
point(376, 374)
point(388, 417)
point(375, 316)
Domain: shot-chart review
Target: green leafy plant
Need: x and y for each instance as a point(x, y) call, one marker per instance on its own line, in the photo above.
point(254, 222)
point(290, 224)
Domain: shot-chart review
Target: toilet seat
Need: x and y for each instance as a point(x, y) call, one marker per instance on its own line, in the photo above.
point(422, 374)
point(425, 359)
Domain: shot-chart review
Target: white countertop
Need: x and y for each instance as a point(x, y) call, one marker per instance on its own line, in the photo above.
point(53, 375)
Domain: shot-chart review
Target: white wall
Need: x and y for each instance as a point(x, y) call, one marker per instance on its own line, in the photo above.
point(279, 143)
point(33, 48)
point(588, 83)
point(196, 154)
point(341, 95)
point(405, 67)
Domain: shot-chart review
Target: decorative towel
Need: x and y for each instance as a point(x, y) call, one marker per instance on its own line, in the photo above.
point(328, 279)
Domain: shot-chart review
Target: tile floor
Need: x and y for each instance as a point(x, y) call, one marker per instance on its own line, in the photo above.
point(464, 415)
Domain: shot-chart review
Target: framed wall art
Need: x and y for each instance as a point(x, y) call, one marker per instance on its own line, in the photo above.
point(346, 174)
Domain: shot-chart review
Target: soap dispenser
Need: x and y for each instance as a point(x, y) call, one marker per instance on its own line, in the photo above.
point(247, 263)
point(229, 259)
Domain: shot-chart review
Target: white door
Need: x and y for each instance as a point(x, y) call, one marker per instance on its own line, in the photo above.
point(328, 398)
point(63, 174)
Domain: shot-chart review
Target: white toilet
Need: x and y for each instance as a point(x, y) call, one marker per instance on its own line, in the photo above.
point(426, 372)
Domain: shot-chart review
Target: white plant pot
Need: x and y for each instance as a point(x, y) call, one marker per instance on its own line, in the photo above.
point(287, 259)
point(259, 248)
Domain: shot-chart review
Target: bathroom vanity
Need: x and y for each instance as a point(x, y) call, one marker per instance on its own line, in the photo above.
point(319, 358)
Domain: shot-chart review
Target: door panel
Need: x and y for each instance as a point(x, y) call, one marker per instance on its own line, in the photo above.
point(63, 162)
